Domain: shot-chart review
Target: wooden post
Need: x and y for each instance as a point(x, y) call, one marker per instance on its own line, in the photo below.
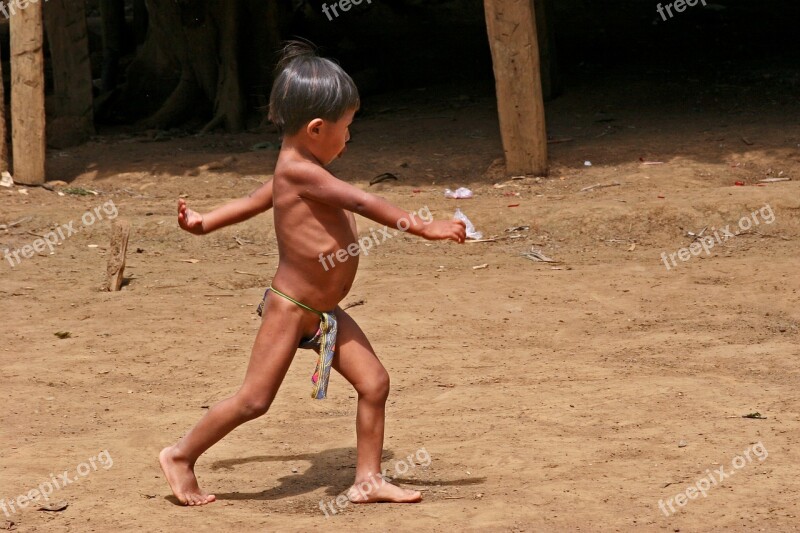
point(511, 26)
point(120, 232)
point(27, 94)
point(4, 163)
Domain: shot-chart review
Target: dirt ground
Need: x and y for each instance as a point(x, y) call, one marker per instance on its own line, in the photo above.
point(548, 396)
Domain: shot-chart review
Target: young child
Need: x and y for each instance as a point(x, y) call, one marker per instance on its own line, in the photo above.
point(312, 102)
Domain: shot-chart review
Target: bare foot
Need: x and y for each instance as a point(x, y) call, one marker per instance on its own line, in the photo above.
point(376, 489)
point(181, 479)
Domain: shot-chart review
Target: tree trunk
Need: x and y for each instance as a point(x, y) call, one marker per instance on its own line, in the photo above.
point(551, 75)
point(185, 32)
point(72, 73)
point(112, 13)
point(229, 106)
point(139, 21)
point(27, 95)
point(210, 51)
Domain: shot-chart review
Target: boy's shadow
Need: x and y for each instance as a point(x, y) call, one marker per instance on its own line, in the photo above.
point(332, 468)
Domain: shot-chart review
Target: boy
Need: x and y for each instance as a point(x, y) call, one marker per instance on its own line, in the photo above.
point(313, 102)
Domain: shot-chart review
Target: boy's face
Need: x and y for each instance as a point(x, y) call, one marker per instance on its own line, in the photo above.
point(330, 138)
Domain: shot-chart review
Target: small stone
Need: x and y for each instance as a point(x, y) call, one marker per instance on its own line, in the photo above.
point(6, 180)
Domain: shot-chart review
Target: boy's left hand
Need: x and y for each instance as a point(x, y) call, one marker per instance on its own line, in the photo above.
point(189, 220)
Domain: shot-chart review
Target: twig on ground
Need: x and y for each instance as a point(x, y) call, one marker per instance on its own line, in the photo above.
point(537, 255)
point(354, 304)
point(600, 186)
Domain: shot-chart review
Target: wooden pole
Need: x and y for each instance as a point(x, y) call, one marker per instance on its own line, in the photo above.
point(4, 163)
point(120, 233)
point(511, 25)
point(27, 94)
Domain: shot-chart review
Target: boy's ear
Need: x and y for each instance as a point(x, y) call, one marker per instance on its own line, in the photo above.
point(313, 127)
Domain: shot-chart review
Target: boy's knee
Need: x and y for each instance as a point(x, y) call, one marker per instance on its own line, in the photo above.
point(377, 389)
point(383, 386)
point(252, 407)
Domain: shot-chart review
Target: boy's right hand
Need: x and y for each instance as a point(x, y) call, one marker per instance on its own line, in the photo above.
point(189, 220)
point(440, 230)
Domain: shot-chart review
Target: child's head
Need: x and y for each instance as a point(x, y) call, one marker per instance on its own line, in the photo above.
point(309, 87)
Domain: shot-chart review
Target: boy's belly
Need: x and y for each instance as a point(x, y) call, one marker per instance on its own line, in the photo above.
point(318, 289)
point(319, 257)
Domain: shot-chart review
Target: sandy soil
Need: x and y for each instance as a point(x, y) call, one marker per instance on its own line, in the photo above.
point(549, 397)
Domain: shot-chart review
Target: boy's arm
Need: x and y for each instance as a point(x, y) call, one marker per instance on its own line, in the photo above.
point(233, 212)
point(319, 185)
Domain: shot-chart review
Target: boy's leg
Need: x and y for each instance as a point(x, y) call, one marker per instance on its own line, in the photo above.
point(356, 361)
point(276, 342)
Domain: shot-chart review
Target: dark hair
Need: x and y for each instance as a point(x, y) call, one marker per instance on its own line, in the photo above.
point(307, 87)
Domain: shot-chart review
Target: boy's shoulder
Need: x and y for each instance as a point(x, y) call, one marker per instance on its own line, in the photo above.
point(299, 171)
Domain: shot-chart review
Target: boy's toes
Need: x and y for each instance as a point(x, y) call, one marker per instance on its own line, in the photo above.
point(194, 500)
point(382, 492)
